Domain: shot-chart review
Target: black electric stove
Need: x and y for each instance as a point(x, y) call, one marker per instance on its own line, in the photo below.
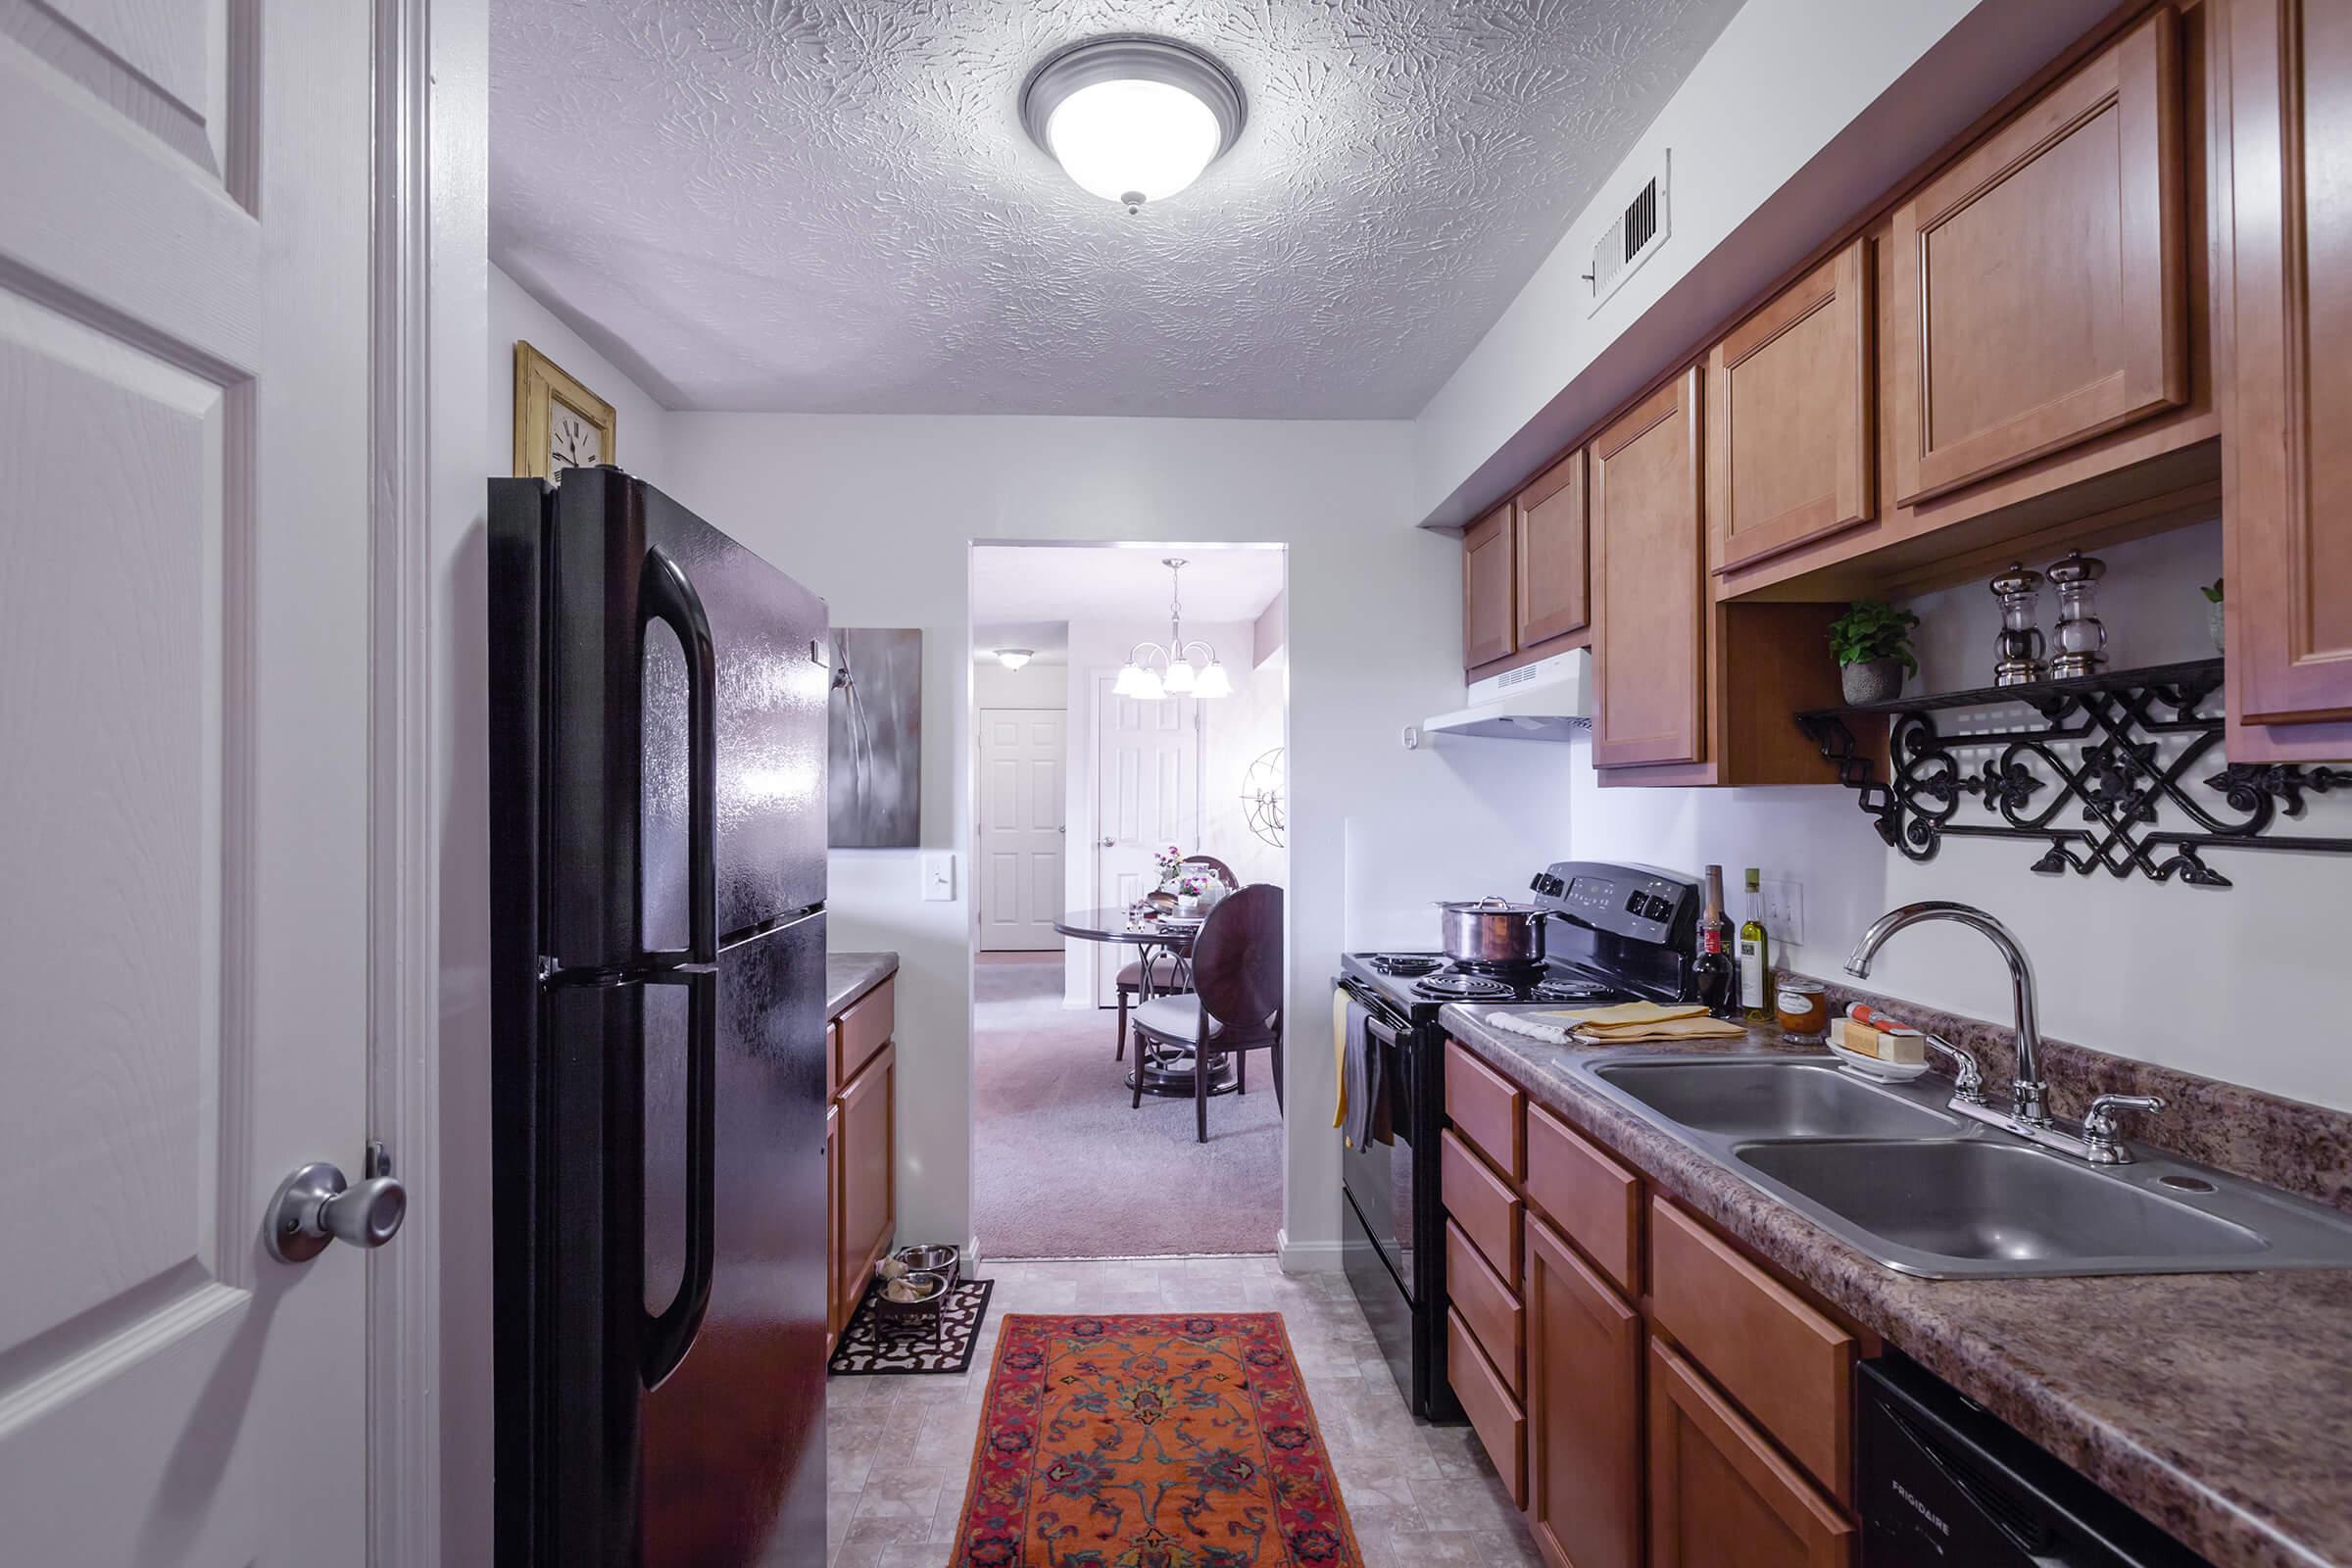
point(1617, 933)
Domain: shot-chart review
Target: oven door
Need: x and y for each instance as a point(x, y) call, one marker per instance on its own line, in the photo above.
point(1379, 1178)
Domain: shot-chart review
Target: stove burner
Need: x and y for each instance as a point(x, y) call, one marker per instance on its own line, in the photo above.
point(1458, 985)
point(1403, 963)
point(1571, 991)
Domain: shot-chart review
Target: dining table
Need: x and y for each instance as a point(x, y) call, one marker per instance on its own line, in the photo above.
point(1166, 1070)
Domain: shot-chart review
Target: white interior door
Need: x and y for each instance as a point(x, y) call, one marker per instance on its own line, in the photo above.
point(1021, 831)
point(184, 198)
point(1147, 796)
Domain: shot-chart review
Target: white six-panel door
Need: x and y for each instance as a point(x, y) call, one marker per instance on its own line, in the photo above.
point(1148, 796)
point(1022, 797)
point(184, 685)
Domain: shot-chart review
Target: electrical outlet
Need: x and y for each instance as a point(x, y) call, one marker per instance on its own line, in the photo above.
point(1784, 910)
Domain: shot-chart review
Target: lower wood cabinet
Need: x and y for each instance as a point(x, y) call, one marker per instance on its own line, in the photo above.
point(1583, 1411)
point(1649, 1392)
point(861, 1159)
point(1719, 1495)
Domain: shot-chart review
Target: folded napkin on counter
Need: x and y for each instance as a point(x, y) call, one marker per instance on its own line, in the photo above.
point(1561, 1027)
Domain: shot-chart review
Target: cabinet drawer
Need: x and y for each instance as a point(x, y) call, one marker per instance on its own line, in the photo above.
point(1718, 1493)
point(1487, 1305)
point(1494, 1414)
point(1790, 1367)
point(862, 1031)
point(1485, 1106)
point(1482, 1203)
point(1593, 1199)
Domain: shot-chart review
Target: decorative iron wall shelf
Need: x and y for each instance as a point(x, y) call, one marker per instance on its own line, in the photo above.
point(2103, 745)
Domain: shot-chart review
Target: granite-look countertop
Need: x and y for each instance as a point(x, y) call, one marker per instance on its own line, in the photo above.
point(2219, 1405)
point(851, 975)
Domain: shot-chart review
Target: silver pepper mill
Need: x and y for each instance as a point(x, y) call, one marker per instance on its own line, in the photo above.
point(2017, 651)
point(2082, 639)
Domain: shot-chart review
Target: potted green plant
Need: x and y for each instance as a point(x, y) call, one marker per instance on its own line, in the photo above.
point(2212, 612)
point(1873, 644)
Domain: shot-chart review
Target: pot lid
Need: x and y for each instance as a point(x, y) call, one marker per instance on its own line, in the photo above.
point(1487, 905)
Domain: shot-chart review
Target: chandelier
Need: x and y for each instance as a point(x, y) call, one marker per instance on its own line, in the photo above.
point(1178, 676)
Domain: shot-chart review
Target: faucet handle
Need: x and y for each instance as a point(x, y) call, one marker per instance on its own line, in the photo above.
point(2098, 1126)
point(1968, 1079)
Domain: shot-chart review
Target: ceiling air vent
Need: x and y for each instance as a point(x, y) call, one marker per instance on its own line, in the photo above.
point(1632, 237)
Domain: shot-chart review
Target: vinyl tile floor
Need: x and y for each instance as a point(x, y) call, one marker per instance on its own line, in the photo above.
point(900, 1447)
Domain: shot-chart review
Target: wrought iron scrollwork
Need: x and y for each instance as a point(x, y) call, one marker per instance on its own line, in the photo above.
point(2117, 755)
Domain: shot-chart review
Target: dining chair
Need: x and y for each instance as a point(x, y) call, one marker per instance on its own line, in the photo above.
point(1168, 971)
point(1236, 1003)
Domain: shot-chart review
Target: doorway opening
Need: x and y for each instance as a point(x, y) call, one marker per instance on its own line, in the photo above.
point(1096, 791)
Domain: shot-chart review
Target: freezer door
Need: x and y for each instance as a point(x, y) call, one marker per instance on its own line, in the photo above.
point(733, 1439)
point(639, 594)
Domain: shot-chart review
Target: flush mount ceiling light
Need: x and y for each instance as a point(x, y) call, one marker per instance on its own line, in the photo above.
point(1129, 117)
point(1015, 658)
point(1178, 675)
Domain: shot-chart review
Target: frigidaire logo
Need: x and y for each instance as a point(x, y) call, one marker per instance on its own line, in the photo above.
point(1923, 1511)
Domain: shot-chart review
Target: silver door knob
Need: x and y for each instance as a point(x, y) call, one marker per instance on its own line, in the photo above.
point(316, 1205)
point(1108, 844)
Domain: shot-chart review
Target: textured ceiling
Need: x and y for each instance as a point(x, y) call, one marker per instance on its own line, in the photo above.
point(830, 205)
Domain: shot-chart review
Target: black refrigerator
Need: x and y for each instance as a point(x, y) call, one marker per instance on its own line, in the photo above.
point(657, 881)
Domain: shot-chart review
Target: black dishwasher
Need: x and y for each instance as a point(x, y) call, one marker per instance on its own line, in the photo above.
point(1946, 1485)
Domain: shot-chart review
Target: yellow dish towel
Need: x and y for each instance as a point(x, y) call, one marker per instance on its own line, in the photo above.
point(1702, 1028)
point(1338, 1053)
point(1622, 1014)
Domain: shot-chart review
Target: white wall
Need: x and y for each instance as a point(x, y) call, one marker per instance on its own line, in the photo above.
point(2237, 983)
point(1374, 631)
point(1799, 115)
point(639, 423)
point(1033, 685)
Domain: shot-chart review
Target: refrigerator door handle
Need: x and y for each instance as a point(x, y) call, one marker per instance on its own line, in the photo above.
point(670, 1335)
point(667, 594)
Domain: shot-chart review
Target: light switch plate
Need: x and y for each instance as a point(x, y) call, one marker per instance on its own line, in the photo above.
point(1784, 910)
point(939, 876)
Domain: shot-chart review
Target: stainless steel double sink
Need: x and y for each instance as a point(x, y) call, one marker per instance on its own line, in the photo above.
point(1888, 1170)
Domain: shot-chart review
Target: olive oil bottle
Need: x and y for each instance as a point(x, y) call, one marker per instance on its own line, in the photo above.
point(1755, 957)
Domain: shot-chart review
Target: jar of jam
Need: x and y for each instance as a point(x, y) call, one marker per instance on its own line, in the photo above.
point(1802, 1010)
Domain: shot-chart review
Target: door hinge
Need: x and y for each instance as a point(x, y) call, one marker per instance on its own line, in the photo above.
point(379, 1159)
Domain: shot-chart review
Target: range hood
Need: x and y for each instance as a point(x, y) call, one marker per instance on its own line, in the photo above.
point(1549, 700)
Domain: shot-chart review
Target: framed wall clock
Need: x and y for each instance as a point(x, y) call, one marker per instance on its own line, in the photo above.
point(558, 424)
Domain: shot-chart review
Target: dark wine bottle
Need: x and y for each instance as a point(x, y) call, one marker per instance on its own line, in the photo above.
point(1715, 981)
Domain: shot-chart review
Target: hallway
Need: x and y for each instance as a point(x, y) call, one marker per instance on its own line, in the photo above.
point(1063, 1168)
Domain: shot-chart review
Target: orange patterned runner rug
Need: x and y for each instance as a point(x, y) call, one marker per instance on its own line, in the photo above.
point(1151, 1441)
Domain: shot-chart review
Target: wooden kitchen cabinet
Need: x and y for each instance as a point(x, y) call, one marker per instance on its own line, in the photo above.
point(866, 1158)
point(1549, 518)
point(1649, 602)
point(1490, 589)
point(2038, 294)
point(1791, 428)
point(1719, 1494)
point(1583, 1411)
point(833, 1318)
point(2288, 397)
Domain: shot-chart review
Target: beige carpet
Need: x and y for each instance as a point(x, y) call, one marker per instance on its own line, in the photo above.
point(1063, 1167)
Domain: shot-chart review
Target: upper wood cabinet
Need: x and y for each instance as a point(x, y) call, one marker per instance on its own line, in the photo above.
point(1648, 574)
point(2037, 281)
point(1791, 428)
point(1554, 596)
point(1489, 589)
point(2287, 470)
point(1584, 1411)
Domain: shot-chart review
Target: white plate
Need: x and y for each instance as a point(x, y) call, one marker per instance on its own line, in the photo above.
point(1885, 1072)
